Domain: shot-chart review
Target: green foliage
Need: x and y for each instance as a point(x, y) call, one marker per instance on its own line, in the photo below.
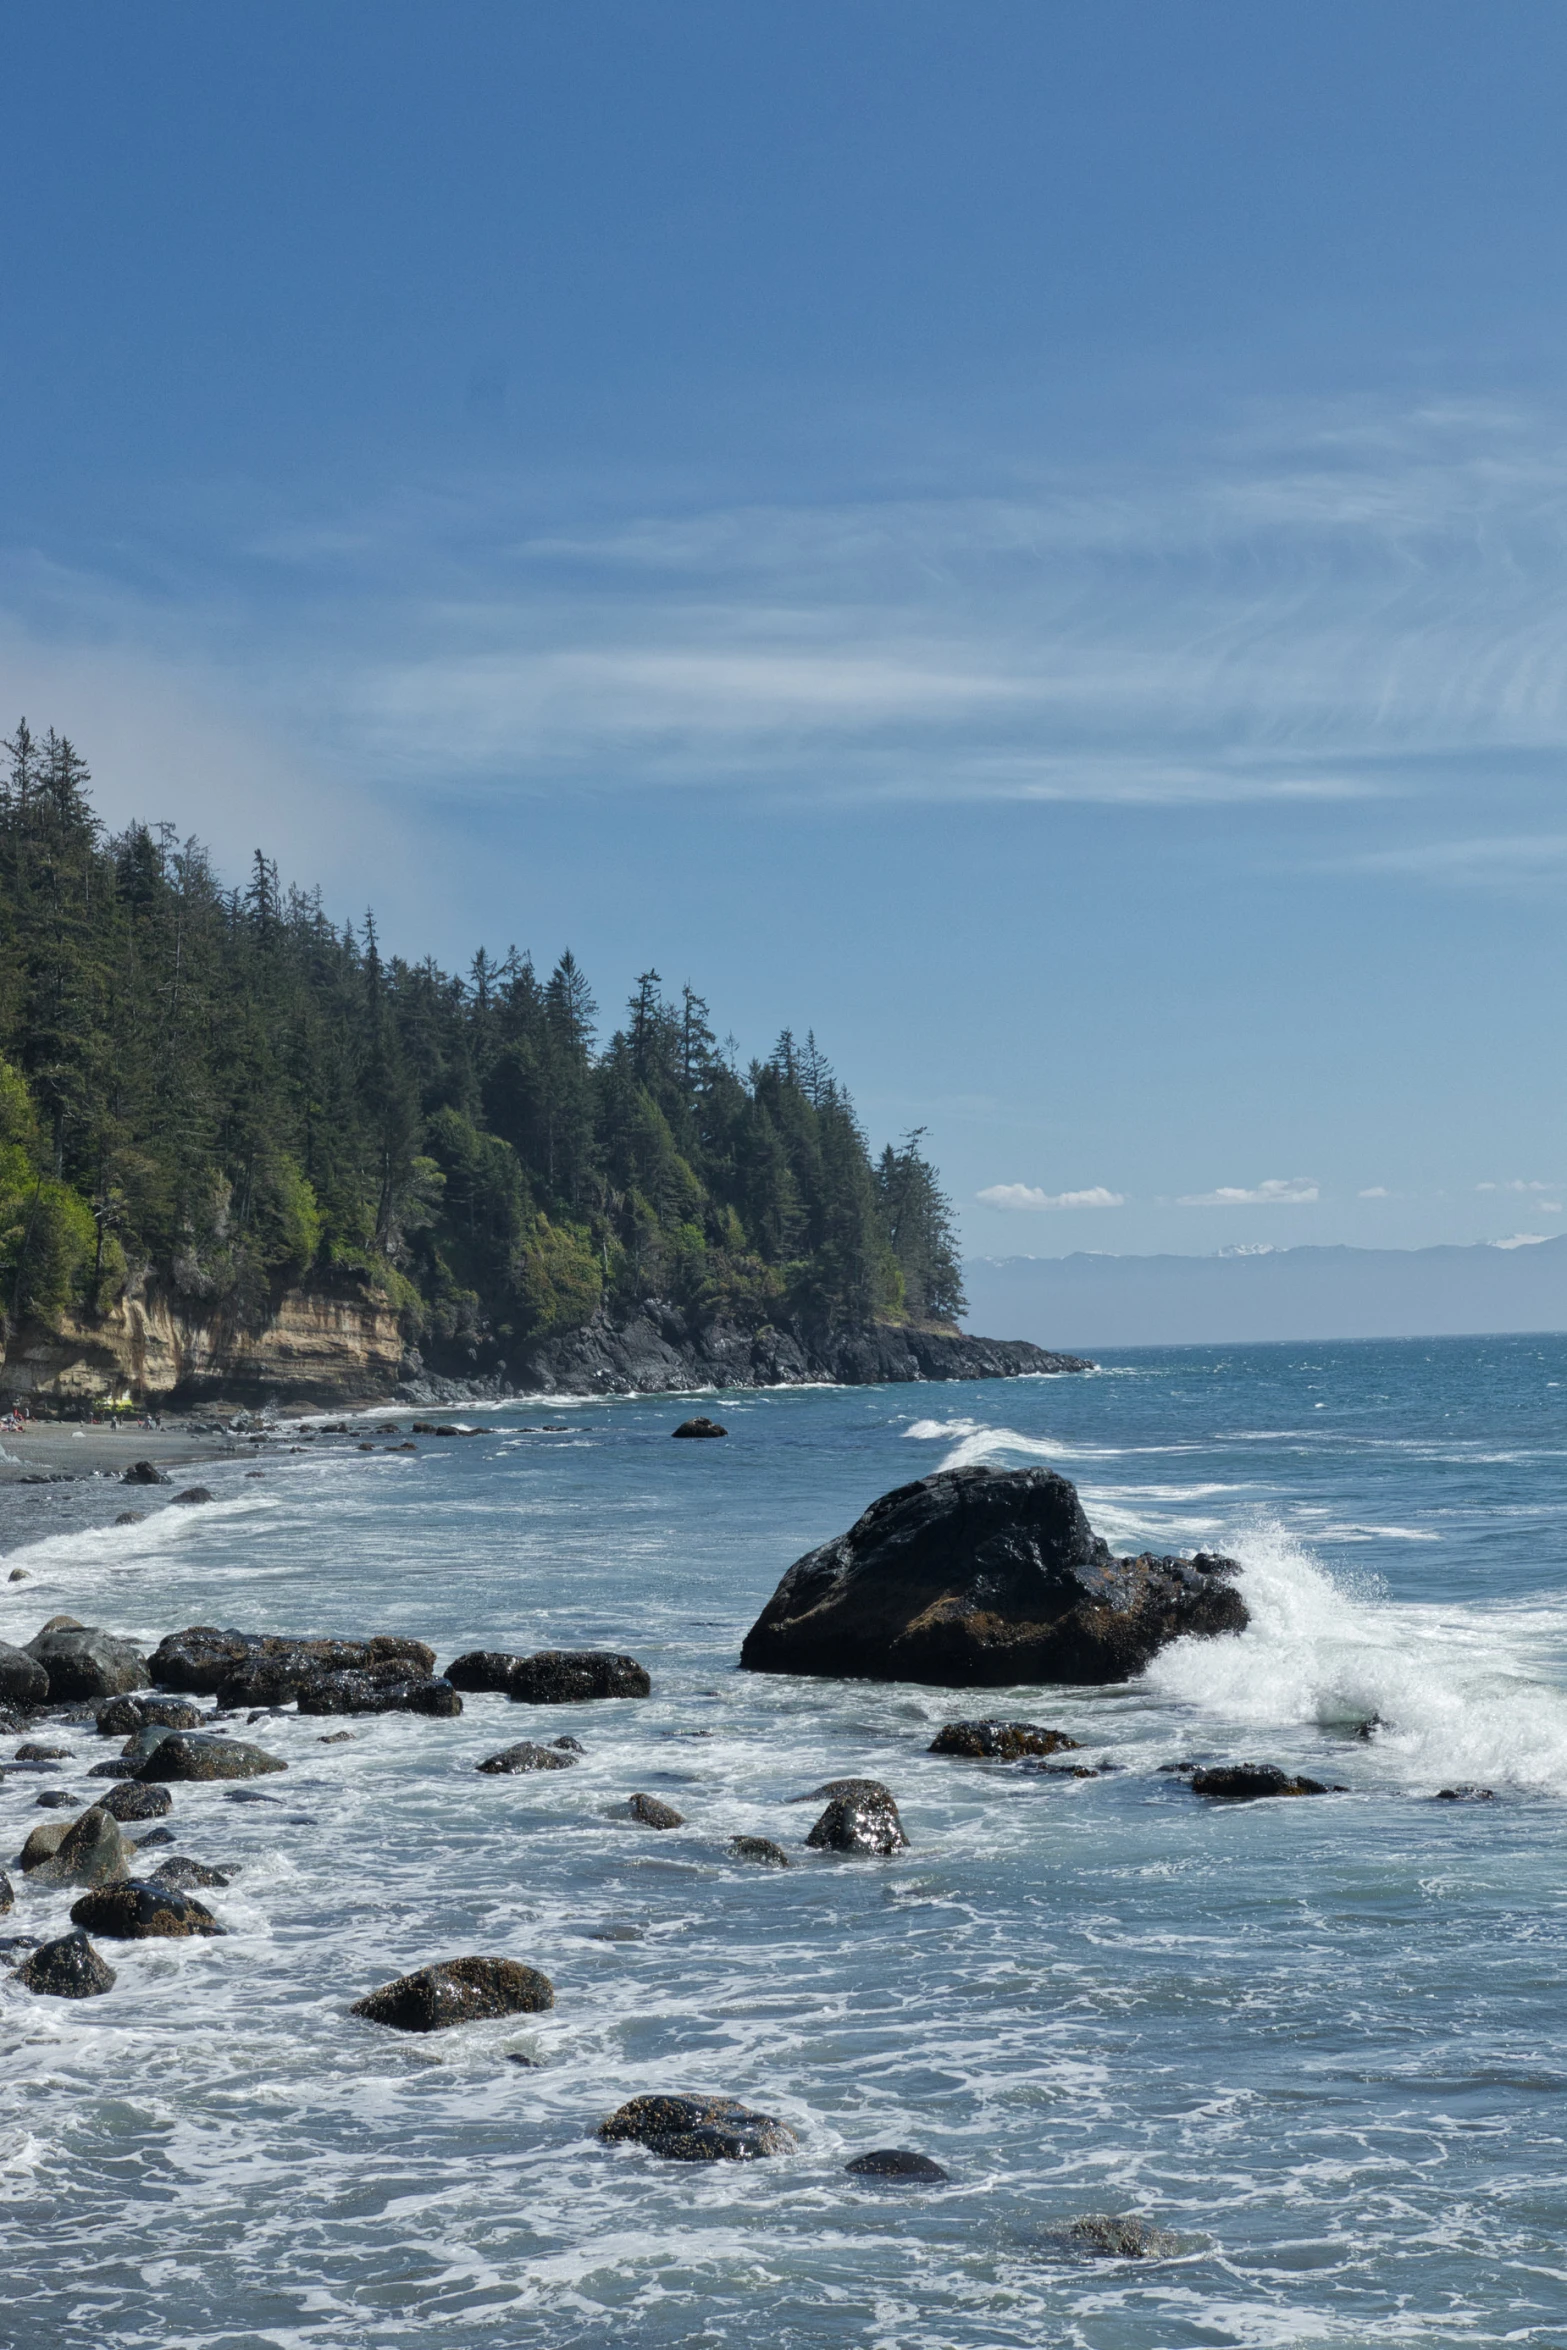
point(224, 1092)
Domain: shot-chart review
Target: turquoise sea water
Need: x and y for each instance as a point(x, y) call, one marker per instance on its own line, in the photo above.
point(1324, 2042)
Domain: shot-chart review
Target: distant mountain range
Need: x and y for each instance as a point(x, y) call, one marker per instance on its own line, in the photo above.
point(1082, 1302)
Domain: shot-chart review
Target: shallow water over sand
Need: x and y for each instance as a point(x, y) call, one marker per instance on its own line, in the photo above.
point(1322, 2041)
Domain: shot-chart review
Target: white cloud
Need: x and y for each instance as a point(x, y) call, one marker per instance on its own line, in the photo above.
point(1279, 1191)
point(1515, 1185)
point(1024, 1195)
point(1522, 1240)
point(1375, 1191)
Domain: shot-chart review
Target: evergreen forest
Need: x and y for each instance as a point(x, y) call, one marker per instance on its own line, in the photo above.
point(221, 1091)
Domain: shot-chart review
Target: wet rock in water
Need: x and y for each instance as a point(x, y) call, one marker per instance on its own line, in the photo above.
point(391, 1690)
point(7, 1893)
point(1114, 2238)
point(985, 1577)
point(81, 1661)
point(131, 1518)
point(141, 1911)
point(90, 1852)
point(574, 1676)
point(115, 1768)
point(67, 1969)
point(153, 1836)
point(41, 1754)
point(654, 1814)
point(133, 1799)
point(54, 1799)
point(189, 1755)
point(569, 1745)
point(19, 1575)
point(1000, 1741)
point(894, 2162)
point(277, 1670)
point(483, 1669)
point(700, 1426)
point(457, 1991)
point(864, 1822)
point(698, 2129)
point(1246, 1782)
point(198, 1659)
point(761, 1849)
point(191, 1494)
point(1464, 1792)
point(23, 1680)
point(526, 1757)
point(122, 1717)
point(336, 1738)
point(145, 1473)
point(182, 1873)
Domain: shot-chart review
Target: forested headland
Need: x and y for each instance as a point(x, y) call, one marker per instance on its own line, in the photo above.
point(220, 1089)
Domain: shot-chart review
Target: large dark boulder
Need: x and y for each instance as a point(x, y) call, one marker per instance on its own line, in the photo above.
point(268, 1668)
point(526, 1756)
point(141, 1911)
point(700, 1426)
point(23, 1680)
point(457, 1991)
point(483, 1669)
point(67, 1969)
point(188, 1755)
point(1248, 1782)
point(389, 1690)
point(80, 1661)
point(570, 1676)
point(984, 1578)
point(145, 1473)
point(698, 2129)
point(650, 1812)
point(861, 1818)
point(131, 1800)
point(1000, 1741)
point(122, 1717)
point(86, 1851)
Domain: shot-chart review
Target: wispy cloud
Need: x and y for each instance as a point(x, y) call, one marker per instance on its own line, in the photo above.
point(1277, 1191)
point(1519, 1183)
point(1374, 1191)
point(1024, 1196)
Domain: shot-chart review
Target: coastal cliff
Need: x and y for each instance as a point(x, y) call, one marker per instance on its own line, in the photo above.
point(339, 1346)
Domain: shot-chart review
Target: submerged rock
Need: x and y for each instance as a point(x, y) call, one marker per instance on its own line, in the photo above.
point(572, 1676)
point(457, 1991)
point(985, 1577)
point(1465, 1792)
point(23, 1680)
point(863, 1820)
point(1114, 2238)
point(525, 1756)
point(131, 1518)
point(698, 2129)
point(653, 1814)
point(761, 1849)
point(191, 1494)
point(81, 1661)
point(1246, 1782)
point(1000, 1741)
point(143, 1911)
point(67, 1969)
point(133, 1799)
point(894, 2162)
point(700, 1426)
point(188, 1755)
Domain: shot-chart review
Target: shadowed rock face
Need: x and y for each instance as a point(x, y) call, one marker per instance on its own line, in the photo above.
point(983, 1578)
point(457, 1991)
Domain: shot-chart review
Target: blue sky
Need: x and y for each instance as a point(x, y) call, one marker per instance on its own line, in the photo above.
point(1028, 539)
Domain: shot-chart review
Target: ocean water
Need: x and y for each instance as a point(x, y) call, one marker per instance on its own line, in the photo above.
point(1324, 2042)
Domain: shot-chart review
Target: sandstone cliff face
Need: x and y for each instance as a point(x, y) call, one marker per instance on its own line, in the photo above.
point(315, 1346)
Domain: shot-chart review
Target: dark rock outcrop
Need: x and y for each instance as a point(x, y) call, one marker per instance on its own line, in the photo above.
point(1247, 1782)
point(572, 1676)
point(81, 1661)
point(863, 1820)
point(134, 1800)
point(191, 1495)
point(895, 2162)
point(761, 1849)
point(482, 1669)
point(388, 1689)
point(268, 1668)
point(700, 1426)
point(1000, 1741)
point(31, 1752)
point(182, 1873)
point(187, 1755)
point(1466, 1792)
point(143, 1911)
point(122, 1717)
point(653, 1814)
point(525, 1756)
point(67, 1969)
point(660, 1349)
point(23, 1680)
point(145, 1473)
point(1115, 2238)
point(698, 2129)
point(984, 1578)
point(457, 1991)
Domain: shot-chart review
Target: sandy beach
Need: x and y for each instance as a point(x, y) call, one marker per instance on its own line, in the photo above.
point(56, 1448)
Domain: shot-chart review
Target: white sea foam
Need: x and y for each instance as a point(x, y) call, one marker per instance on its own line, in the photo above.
point(1458, 1693)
